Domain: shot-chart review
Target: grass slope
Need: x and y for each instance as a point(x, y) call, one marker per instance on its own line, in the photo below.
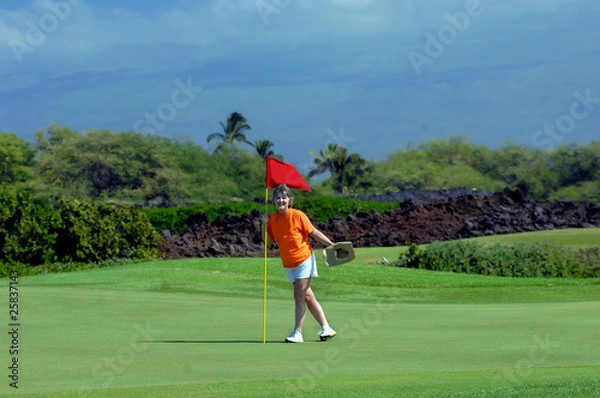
point(192, 328)
point(571, 237)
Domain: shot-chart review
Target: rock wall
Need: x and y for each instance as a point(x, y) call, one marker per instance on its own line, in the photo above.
point(419, 220)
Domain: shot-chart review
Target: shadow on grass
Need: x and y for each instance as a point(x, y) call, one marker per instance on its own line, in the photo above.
point(224, 341)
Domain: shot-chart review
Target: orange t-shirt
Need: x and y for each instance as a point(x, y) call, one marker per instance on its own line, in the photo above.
point(290, 231)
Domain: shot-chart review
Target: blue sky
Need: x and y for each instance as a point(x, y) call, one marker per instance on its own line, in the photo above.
point(374, 75)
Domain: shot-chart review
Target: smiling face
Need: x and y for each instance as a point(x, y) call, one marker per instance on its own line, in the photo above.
point(283, 198)
point(282, 203)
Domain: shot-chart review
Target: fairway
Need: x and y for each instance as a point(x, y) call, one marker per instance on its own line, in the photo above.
point(572, 237)
point(190, 328)
point(579, 237)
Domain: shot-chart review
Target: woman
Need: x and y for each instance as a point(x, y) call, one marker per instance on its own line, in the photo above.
point(290, 228)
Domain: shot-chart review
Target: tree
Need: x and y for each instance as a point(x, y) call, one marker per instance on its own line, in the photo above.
point(57, 171)
point(347, 171)
point(525, 169)
point(101, 164)
point(357, 173)
point(16, 160)
point(263, 149)
point(407, 170)
point(233, 131)
point(575, 164)
point(451, 152)
point(54, 135)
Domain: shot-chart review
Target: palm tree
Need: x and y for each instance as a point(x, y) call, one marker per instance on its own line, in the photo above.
point(346, 170)
point(233, 131)
point(263, 149)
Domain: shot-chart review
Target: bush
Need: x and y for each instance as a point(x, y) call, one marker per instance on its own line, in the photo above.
point(417, 258)
point(25, 270)
point(176, 219)
point(76, 232)
point(545, 259)
point(590, 262)
point(321, 208)
point(26, 230)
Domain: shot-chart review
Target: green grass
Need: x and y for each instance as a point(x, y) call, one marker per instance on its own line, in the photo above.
point(571, 237)
point(190, 328)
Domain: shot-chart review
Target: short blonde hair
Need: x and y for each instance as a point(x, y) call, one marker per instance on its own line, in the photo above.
point(284, 190)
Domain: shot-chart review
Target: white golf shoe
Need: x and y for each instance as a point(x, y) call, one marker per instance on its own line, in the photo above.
point(326, 333)
point(295, 337)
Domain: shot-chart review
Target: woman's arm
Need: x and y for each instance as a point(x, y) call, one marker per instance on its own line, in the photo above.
point(320, 236)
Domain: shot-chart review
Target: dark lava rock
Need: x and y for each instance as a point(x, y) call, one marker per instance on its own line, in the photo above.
point(423, 217)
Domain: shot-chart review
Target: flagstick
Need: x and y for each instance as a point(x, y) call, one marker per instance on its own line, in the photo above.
point(265, 272)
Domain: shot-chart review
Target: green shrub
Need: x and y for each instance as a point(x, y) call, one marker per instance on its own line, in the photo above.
point(137, 237)
point(589, 266)
point(26, 230)
point(84, 233)
point(321, 208)
point(524, 259)
point(171, 218)
point(7, 267)
point(175, 219)
point(24, 270)
point(417, 258)
point(89, 232)
point(76, 232)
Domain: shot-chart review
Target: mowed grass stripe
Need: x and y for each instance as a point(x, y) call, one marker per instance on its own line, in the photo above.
point(79, 337)
point(577, 382)
point(357, 281)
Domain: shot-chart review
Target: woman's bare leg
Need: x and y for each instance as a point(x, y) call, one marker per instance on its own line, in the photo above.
point(315, 307)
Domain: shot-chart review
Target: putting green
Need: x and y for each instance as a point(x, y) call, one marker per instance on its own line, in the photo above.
point(192, 328)
point(90, 342)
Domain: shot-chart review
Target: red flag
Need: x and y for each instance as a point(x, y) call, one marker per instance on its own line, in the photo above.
point(279, 173)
